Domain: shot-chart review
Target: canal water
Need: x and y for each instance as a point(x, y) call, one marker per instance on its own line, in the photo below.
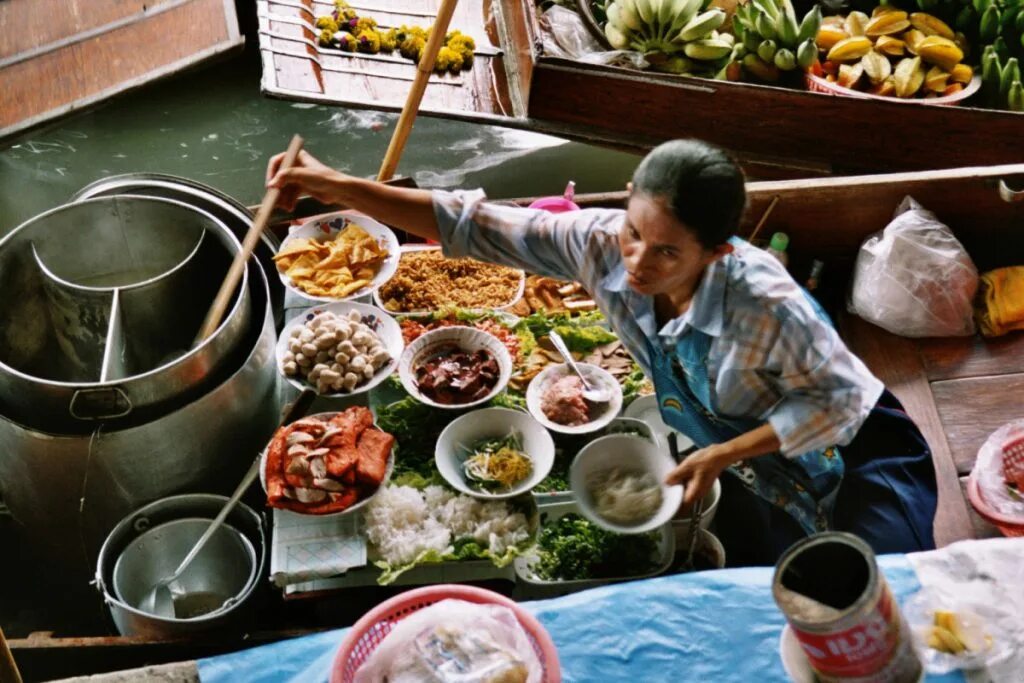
point(213, 125)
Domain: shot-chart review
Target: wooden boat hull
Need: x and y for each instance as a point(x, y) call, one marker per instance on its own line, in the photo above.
point(777, 132)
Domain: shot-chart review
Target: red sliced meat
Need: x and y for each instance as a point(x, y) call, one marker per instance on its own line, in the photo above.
point(374, 449)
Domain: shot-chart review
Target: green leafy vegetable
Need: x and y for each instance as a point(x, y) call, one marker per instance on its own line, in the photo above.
point(416, 427)
point(572, 548)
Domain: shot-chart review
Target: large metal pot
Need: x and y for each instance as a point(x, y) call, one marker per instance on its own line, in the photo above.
point(102, 301)
point(67, 491)
point(232, 213)
point(128, 561)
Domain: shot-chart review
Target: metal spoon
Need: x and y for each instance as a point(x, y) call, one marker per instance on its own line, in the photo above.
point(160, 600)
point(692, 531)
point(590, 392)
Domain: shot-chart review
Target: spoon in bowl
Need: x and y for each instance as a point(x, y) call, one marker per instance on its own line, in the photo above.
point(591, 393)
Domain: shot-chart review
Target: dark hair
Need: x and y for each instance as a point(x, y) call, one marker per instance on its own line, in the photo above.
point(702, 185)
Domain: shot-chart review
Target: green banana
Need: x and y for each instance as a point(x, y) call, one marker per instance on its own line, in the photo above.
point(786, 25)
point(707, 50)
point(806, 54)
point(785, 59)
point(766, 50)
point(981, 5)
point(702, 24)
point(988, 29)
point(810, 25)
point(1010, 74)
point(991, 73)
point(765, 26)
point(768, 73)
point(767, 7)
point(1001, 49)
point(966, 20)
point(627, 14)
point(751, 40)
point(1015, 97)
point(739, 51)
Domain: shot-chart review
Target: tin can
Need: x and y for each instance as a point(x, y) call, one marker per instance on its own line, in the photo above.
point(842, 612)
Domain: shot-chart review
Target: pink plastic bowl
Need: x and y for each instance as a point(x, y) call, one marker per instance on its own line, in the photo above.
point(1009, 526)
point(370, 631)
point(555, 204)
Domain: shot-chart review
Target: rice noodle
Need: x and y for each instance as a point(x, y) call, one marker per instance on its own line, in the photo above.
point(625, 497)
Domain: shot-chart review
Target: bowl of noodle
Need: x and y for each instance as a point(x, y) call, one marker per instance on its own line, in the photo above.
point(619, 484)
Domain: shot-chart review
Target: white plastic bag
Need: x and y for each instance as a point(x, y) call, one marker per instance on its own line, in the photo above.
point(566, 36)
point(914, 278)
point(454, 641)
point(986, 631)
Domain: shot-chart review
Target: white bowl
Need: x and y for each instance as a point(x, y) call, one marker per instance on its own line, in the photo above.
point(332, 224)
point(383, 325)
point(357, 505)
point(646, 408)
point(466, 430)
point(412, 248)
point(631, 454)
point(468, 339)
point(601, 413)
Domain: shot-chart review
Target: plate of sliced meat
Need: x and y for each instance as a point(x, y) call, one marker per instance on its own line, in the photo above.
point(328, 463)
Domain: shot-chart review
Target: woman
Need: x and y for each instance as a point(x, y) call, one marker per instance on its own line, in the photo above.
point(742, 359)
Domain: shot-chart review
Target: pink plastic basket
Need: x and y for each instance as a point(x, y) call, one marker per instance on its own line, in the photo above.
point(367, 633)
point(819, 84)
point(1009, 526)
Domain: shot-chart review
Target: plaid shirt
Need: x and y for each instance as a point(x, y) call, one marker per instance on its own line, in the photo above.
point(772, 357)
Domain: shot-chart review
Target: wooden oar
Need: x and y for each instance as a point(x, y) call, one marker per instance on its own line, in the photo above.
point(220, 303)
point(419, 85)
point(8, 668)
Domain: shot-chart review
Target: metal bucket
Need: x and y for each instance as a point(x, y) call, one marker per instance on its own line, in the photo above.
point(232, 213)
point(67, 491)
point(102, 301)
point(150, 542)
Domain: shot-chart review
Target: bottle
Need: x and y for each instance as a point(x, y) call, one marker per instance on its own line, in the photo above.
point(814, 279)
point(777, 247)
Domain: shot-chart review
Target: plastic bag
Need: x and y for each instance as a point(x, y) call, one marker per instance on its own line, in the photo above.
point(454, 641)
point(982, 629)
point(566, 36)
point(914, 278)
point(988, 468)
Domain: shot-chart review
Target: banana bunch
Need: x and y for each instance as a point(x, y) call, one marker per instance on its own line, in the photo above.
point(997, 26)
point(951, 635)
point(893, 53)
point(770, 40)
point(678, 36)
point(1001, 81)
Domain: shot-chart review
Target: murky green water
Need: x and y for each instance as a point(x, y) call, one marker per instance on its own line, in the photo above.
point(214, 126)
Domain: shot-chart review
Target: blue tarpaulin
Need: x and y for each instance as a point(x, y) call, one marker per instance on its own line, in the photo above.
point(708, 627)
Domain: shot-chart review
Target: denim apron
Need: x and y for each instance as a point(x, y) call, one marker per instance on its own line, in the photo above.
point(804, 487)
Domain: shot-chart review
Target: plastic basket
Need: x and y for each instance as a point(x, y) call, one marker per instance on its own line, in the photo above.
point(1009, 526)
point(820, 85)
point(367, 633)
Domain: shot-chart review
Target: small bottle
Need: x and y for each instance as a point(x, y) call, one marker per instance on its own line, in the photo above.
point(814, 279)
point(777, 247)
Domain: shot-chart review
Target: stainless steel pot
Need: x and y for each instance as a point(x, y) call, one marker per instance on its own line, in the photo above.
point(132, 555)
point(102, 301)
point(67, 491)
point(232, 213)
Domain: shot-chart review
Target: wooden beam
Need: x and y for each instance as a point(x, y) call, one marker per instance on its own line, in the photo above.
point(972, 408)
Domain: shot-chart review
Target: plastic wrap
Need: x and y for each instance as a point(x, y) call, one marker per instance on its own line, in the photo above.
point(983, 627)
point(566, 36)
point(988, 469)
point(914, 278)
point(454, 641)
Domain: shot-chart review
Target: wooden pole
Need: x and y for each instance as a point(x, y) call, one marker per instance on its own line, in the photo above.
point(412, 102)
point(8, 668)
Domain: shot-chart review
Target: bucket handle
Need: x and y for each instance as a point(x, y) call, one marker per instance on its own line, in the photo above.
point(103, 403)
point(1009, 196)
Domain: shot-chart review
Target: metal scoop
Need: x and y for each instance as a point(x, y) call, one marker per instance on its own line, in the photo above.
point(591, 393)
point(160, 600)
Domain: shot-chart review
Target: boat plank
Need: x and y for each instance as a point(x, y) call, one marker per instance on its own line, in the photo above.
point(62, 79)
point(958, 358)
point(973, 408)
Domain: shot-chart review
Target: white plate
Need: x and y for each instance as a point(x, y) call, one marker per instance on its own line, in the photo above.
point(356, 506)
point(332, 224)
point(794, 661)
point(646, 408)
point(601, 413)
point(468, 339)
point(378, 300)
point(383, 325)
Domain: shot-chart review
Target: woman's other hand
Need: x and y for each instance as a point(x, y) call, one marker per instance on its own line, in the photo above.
point(697, 474)
point(306, 176)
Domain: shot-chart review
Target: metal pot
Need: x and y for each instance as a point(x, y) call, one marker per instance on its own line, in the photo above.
point(150, 542)
point(102, 301)
point(67, 490)
point(232, 213)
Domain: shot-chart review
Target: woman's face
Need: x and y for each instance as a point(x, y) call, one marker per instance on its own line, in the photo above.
point(661, 254)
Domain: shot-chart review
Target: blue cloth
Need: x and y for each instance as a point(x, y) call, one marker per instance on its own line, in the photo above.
point(772, 357)
point(706, 627)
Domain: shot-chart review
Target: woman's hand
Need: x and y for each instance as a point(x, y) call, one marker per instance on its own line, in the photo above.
point(306, 176)
point(697, 474)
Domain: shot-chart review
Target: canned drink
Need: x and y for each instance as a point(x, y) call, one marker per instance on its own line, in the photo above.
point(842, 612)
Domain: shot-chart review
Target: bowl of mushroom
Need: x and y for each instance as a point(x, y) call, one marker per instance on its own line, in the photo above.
point(343, 348)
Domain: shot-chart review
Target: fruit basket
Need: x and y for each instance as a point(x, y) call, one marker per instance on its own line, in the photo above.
point(820, 85)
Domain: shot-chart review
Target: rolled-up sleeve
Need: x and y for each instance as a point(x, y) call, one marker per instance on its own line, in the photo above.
point(827, 392)
point(537, 241)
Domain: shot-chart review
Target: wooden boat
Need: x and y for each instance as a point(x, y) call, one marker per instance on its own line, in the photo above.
point(778, 132)
point(958, 390)
point(59, 56)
